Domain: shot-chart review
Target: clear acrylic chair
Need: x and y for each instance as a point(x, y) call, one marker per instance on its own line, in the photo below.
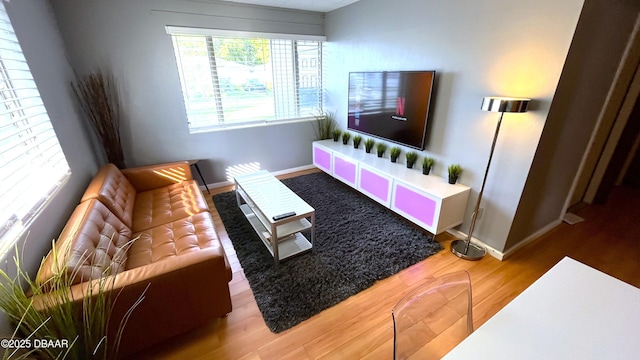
point(433, 318)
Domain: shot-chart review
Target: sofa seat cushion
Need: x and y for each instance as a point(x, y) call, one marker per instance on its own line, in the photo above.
point(93, 244)
point(176, 238)
point(166, 204)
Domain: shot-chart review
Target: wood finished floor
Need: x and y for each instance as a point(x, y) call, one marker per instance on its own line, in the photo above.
point(361, 328)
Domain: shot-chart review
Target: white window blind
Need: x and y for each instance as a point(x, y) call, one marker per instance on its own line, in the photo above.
point(232, 78)
point(32, 164)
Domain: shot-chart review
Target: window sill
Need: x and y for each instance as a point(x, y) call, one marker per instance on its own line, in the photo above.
point(217, 128)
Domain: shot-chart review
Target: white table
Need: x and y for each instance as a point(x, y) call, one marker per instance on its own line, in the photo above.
point(572, 312)
point(261, 196)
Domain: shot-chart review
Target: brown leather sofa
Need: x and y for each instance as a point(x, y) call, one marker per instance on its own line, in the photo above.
point(146, 228)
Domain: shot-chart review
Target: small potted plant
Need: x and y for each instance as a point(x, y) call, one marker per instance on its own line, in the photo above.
point(356, 141)
point(395, 153)
point(411, 157)
point(381, 148)
point(336, 134)
point(454, 171)
point(345, 138)
point(427, 164)
point(368, 144)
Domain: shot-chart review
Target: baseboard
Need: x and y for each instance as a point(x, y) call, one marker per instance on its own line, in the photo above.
point(533, 237)
point(295, 169)
point(503, 255)
point(275, 173)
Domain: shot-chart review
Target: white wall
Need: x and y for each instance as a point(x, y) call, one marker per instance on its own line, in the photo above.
point(129, 37)
point(478, 48)
point(37, 32)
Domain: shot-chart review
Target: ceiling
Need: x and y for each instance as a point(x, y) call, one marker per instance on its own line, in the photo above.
point(309, 5)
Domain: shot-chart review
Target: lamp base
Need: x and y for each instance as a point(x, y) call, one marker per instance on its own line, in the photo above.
point(474, 252)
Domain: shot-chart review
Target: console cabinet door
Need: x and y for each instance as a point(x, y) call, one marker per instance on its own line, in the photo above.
point(322, 158)
point(375, 185)
point(345, 169)
point(416, 205)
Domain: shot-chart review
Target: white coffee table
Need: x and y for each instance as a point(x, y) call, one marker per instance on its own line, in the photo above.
point(261, 196)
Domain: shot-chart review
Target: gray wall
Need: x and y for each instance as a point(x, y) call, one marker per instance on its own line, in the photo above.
point(478, 48)
point(600, 40)
point(129, 37)
point(37, 31)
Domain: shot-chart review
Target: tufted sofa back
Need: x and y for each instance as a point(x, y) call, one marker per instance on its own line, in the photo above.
point(93, 244)
point(113, 189)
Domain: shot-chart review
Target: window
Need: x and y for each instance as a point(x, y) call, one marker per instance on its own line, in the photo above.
point(32, 165)
point(232, 78)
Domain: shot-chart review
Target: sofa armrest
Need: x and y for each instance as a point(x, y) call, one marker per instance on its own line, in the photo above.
point(181, 292)
point(145, 178)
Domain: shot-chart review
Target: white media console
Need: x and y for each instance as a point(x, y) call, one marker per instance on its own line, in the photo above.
point(427, 200)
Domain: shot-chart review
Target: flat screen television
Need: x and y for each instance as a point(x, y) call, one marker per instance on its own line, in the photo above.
point(393, 105)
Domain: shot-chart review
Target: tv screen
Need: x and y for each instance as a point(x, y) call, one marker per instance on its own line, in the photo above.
point(393, 105)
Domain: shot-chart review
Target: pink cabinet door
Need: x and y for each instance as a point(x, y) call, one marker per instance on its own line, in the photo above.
point(415, 205)
point(322, 159)
point(375, 185)
point(345, 170)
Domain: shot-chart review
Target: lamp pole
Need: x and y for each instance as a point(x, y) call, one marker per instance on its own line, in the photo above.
point(464, 248)
point(474, 217)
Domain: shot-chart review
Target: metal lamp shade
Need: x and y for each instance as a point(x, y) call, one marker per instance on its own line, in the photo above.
point(505, 104)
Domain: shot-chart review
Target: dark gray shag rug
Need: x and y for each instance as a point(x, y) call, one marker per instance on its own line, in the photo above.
point(358, 242)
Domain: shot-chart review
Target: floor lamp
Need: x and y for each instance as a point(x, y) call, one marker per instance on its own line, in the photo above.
point(464, 248)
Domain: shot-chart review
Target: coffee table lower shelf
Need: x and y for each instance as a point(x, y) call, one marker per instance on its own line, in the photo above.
point(290, 241)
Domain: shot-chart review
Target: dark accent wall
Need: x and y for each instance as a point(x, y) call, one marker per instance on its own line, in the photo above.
point(601, 36)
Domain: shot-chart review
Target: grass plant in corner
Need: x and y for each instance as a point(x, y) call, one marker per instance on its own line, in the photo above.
point(325, 125)
point(99, 98)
